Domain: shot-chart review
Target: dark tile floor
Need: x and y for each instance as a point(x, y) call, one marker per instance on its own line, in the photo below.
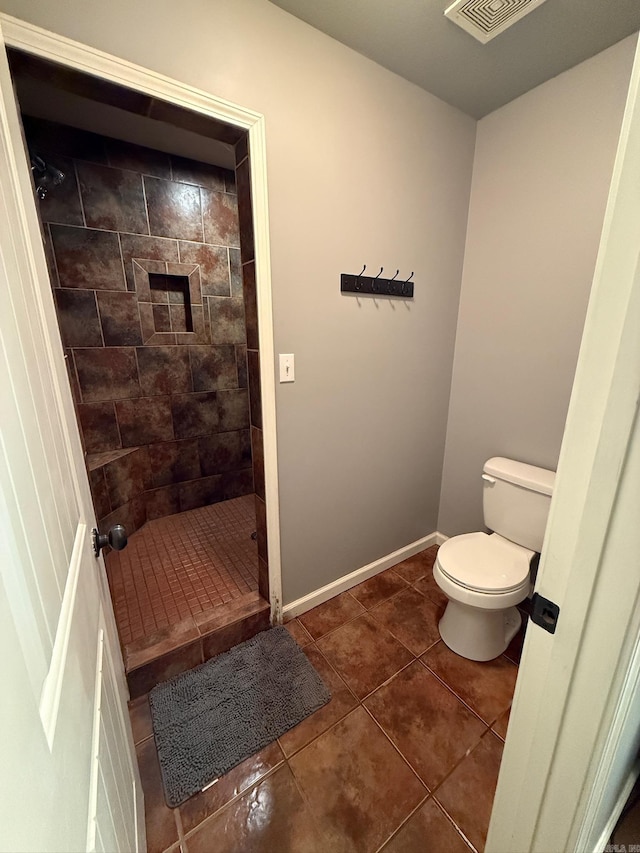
point(405, 757)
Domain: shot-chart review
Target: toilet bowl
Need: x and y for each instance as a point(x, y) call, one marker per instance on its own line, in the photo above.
point(485, 576)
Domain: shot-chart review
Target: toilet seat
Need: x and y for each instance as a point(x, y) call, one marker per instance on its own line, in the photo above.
point(485, 563)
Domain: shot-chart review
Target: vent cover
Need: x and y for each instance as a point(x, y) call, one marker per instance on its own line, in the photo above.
point(485, 19)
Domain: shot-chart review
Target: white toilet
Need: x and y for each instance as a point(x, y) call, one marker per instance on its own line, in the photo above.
point(485, 575)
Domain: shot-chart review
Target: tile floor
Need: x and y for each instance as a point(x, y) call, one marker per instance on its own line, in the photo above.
point(405, 757)
point(181, 565)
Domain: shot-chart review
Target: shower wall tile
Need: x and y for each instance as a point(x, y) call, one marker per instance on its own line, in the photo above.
point(73, 376)
point(99, 492)
point(78, 318)
point(87, 259)
point(174, 462)
point(206, 490)
point(99, 426)
point(174, 209)
point(235, 271)
point(164, 370)
point(119, 318)
point(49, 255)
point(194, 414)
point(235, 484)
point(214, 266)
point(257, 452)
point(227, 451)
point(227, 320)
point(245, 212)
point(241, 366)
point(220, 217)
point(152, 248)
point(137, 158)
point(233, 410)
point(242, 148)
point(255, 396)
point(250, 304)
point(261, 528)
point(161, 318)
point(62, 204)
point(213, 367)
point(161, 502)
point(112, 198)
point(202, 174)
point(127, 477)
point(61, 139)
point(107, 374)
point(144, 421)
point(230, 182)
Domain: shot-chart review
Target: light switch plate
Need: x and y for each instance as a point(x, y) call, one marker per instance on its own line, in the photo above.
point(287, 367)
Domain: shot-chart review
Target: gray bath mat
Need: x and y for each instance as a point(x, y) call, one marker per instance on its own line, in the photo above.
point(211, 718)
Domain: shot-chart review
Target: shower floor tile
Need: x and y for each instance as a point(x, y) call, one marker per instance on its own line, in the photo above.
point(181, 566)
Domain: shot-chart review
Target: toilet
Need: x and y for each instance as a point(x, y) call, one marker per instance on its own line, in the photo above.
point(485, 576)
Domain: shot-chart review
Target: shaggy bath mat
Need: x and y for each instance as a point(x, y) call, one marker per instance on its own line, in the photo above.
point(211, 718)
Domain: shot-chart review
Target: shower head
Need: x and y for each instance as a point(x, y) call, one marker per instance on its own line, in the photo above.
point(45, 175)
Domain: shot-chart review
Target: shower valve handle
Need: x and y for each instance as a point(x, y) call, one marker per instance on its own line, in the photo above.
point(116, 538)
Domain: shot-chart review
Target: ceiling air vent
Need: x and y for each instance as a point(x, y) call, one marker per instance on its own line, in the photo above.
point(486, 19)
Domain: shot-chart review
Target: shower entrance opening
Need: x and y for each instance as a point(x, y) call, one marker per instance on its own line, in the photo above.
point(150, 248)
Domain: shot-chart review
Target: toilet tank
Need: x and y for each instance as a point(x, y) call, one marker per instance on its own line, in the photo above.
point(516, 499)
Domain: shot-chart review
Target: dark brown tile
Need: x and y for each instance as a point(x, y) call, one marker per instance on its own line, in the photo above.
point(164, 370)
point(261, 528)
point(331, 615)
point(173, 462)
point(161, 502)
point(87, 259)
point(250, 304)
point(202, 492)
point(299, 633)
point(144, 421)
point(214, 266)
point(427, 831)
point(233, 613)
point(62, 204)
point(242, 148)
point(140, 716)
point(263, 578)
point(213, 368)
point(224, 638)
point(120, 319)
point(364, 653)
point(161, 318)
point(112, 198)
point(501, 724)
point(370, 792)
point(49, 256)
point(430, 727)
point(127, 476)
point(378, 588)
point(220, 217)
point(62, 139)
point(132, 515)
point(233, 410)
point(227, 451)
point(194, 414)
point(99, 426)
point(486, 687)
point(235, 270)
point(235, 782)
point(187, 119)
point(417, 566)
point(226, 315)
point(257, 453)
point(150, 248)
point(245, 211)
point(272, 816)
point(412, 618)
point(174, 209)
point(342, 701)
point(235, 484)
point(241, 366)
point(467, 795)
point(159, 819)
point(142, 679)
point(255, 392)
point(99, 493)
point(107, 374)
point(78, 318)
point(193, 172)
point(137, 158)
point(160, 642)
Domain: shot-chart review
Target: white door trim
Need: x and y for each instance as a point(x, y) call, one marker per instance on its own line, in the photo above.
point(56, 48)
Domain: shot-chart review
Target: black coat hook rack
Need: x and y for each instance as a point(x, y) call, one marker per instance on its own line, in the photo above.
point(376, 285)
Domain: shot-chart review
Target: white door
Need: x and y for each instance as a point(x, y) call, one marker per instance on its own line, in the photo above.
point(572, 745)
point(68, 776)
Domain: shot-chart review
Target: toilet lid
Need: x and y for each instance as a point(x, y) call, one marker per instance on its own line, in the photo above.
point(484, 563)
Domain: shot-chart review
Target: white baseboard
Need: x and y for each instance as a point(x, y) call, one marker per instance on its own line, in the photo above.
point(319, 596)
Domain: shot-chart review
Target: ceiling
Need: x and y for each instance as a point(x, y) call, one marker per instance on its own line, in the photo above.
point(415, 40)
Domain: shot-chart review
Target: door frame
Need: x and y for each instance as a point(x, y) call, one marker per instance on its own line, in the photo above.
point(80, 57)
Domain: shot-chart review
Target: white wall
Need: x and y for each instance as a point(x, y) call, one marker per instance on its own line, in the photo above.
point(363, 168)
point(541, 176)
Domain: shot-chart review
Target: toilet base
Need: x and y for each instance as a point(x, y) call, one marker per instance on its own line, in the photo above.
point(478, 634)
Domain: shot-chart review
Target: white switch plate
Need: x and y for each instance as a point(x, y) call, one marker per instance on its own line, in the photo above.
point(287, 367)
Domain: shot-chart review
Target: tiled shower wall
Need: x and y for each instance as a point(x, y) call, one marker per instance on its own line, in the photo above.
point(148, 284)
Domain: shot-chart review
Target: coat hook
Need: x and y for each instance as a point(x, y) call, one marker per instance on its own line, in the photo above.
point(410, 277)
point(358, 283)
point(362, 270)
point(380, 273)
point(396, 275)
point(375, 287)
point(405, 289)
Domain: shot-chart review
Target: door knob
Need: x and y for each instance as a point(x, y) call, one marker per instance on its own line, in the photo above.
point(116, 538)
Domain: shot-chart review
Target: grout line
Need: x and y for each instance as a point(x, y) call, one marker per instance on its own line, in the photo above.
point(454, 824)
point(82, 211)
point(146, 204)
point(404, 822)
point(402, 756)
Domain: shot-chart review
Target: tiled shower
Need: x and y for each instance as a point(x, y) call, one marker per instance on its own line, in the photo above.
point(156, 305)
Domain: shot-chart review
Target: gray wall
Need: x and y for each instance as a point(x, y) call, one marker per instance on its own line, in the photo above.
point(363, 168)
point(541, 176)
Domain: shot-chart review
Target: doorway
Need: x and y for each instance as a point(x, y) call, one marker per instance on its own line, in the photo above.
point(152, 265)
